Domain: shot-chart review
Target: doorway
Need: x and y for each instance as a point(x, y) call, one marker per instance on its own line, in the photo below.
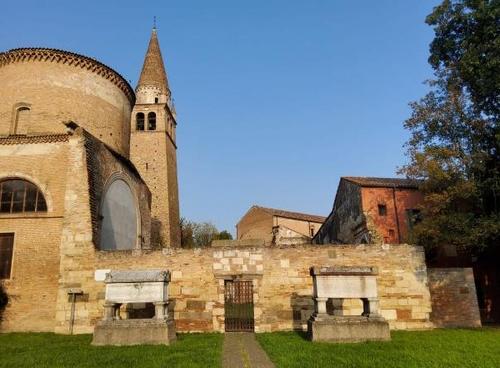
point(238, 306)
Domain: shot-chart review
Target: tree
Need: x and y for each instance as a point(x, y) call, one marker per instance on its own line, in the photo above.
point(467, 46)
point(455, 138)
point(200, 234)
point(224, 235)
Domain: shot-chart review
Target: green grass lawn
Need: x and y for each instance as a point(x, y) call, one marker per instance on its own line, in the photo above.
point(50, 350)
point(437, 348)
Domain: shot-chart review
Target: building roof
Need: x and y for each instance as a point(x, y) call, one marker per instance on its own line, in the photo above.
point(34, 139)
point(68, 58)
point(384, 182)
point(292, 215)
point(153, 70)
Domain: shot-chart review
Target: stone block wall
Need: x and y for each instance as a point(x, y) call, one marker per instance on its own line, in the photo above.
point(454, 298)
point(282, 285)
point(280, 275)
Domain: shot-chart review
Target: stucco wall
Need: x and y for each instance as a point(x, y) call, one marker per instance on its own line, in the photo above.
point(397, 201)
point(255, 224)
point(300, 226)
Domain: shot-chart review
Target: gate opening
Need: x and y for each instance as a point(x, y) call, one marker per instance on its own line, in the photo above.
point(238, 306)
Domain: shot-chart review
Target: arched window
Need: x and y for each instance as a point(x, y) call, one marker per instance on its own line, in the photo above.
point(118, 218)
point(151, 121)
point(17, 195)
point(139, 121)
point(21, 120)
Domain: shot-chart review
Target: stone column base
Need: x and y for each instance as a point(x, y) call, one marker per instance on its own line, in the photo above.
point(134, 332)
point(347, 328)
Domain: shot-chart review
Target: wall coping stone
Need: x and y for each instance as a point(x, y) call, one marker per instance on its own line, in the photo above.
point(137, 276)
point(239, 243)
point(343, 271)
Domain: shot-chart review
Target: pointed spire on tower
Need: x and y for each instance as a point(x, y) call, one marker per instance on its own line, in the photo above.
point(153, 71)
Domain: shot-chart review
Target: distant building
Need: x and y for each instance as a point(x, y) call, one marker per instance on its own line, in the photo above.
point(371, 210)
point(270, 223)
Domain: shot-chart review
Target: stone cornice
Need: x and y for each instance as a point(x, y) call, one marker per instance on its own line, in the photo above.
point(33, 139)
point(70, 58)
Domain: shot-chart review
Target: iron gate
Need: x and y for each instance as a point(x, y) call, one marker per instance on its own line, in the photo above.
point(238, 305)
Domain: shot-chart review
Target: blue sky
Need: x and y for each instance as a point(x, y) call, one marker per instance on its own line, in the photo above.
point(275, 99)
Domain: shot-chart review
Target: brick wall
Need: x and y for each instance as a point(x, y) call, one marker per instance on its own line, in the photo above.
point(57, 92)
point(33, 283)
point(454, 299)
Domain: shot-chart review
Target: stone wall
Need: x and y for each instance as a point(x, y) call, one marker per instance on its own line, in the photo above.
point(280, 275)
point(454, 299)
point(90, 166)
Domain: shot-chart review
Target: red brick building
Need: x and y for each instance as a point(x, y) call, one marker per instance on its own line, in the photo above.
point(372, 210)
point(383, 210)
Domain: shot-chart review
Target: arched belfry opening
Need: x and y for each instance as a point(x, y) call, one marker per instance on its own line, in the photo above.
point(139, 121)
point(151, 121)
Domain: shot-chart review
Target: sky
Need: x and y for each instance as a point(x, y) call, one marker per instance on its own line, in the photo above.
point(275, 99)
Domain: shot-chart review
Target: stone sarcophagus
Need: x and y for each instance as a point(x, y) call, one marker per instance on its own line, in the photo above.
point(129, 288)
point(338, 283)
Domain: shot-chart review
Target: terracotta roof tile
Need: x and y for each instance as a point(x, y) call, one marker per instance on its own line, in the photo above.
point(153, 71)
point(383, 182)
point(292, 215)
point(70, 58)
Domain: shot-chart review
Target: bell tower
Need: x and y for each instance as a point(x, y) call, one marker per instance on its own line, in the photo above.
point(153, 148)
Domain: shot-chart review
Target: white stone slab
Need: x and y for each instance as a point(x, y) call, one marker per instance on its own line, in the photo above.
point(142, 292)
point(100, 275)
point(345, 286)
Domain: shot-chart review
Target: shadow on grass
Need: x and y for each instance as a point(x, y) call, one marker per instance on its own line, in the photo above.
point(302, 334)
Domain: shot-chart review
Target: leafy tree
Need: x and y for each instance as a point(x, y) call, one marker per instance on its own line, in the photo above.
point(224, 235)
point(467, 46)
point(455, 137)
point(187, 240)
point(200, 234)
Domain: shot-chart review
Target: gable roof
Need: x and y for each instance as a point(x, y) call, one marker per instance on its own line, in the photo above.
point(291, 215)
point(383, 182)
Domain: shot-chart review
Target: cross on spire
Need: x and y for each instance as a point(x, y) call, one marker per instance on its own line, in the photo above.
point(154, 22)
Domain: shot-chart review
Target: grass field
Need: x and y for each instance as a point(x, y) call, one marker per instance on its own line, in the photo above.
point(50, 350)
point(429, 349)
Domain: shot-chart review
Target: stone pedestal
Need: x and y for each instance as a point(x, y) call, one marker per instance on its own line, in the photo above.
point(134, 332)
point(328, 328)
point(339, 283)
point(132, 287)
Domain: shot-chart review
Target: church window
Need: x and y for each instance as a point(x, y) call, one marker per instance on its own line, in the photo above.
point(382, 210)
point(18, 195)
point(119, 218)
point(156, 99)
point(6, 251)
point(21, 121)
point(139, 121)
point(151, 121)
